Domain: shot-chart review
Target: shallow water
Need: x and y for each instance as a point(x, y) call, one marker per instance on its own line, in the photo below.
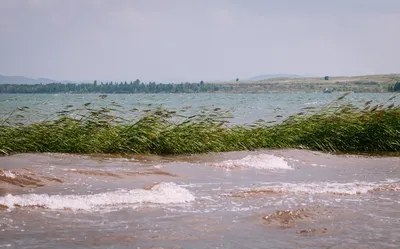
point(260, 199)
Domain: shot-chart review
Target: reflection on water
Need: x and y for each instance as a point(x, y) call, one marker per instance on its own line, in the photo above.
point(267, 199)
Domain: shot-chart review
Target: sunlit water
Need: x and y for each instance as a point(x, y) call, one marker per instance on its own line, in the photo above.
point(258, 199)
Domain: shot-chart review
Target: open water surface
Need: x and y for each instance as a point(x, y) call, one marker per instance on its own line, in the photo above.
point(245, 108)
point(257, 199)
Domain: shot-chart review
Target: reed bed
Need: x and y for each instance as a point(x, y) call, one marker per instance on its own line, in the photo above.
point(337, 127)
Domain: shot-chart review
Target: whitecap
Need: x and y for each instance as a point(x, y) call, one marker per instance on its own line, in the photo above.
point(350, 188)
point(262, 161)
point(163, 193)
point(7, 173)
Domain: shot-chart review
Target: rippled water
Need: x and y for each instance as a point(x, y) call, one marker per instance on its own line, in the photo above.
point(245, 108)
point(259, 199)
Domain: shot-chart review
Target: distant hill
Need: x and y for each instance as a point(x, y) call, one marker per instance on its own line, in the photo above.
point(46, 80)
point(274, 76)
point(23, 80)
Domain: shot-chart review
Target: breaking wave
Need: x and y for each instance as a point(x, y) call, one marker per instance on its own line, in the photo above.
point(352, 188)
point(7, 173)
point(163, 193)
point(262, 161)
point(335, 188)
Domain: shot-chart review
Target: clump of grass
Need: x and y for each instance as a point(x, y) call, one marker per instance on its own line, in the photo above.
point(338, 127)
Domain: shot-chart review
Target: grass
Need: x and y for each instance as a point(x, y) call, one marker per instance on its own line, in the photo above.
point(337, 128)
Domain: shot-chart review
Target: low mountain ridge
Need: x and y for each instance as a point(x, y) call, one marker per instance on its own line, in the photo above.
point(273, 76)
point(23, 80)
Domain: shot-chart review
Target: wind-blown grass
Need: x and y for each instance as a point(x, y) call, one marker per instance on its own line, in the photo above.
point(338, 128)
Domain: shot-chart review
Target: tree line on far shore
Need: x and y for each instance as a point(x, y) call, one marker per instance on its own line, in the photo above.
point(112, 87)
point(153, 87)
point(395, 87)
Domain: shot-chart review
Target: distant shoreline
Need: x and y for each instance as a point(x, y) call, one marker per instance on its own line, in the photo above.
point(361, 84)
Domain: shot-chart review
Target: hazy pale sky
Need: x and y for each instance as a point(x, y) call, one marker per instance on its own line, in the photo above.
point(164, 40)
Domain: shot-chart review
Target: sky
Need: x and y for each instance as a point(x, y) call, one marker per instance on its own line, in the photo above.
point(193, 40)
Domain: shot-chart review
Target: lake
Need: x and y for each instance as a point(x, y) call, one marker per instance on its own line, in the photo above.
point(245, 108)
point(246, 199)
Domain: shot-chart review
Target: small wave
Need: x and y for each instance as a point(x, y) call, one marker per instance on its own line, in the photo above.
point(256, 192)
point(312, 231)
point(334, 188)
point(21, 180)
point(94, 173)
point(163, 193)
point(120, 174)
point(292, 218)
point(262, 161)
point(318, 165)
point(352, 188)
point(7, 173)
point(387, 187)
point(287, 218)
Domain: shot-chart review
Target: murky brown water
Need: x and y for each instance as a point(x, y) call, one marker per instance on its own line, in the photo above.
point(262, 199)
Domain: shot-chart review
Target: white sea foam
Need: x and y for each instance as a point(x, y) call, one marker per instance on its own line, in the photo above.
point(318, 165)
point(352, 188)
point(163, 193)
point(7, 173)
point(262, 161)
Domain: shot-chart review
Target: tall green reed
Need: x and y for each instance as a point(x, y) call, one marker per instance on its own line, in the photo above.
point(337, 127)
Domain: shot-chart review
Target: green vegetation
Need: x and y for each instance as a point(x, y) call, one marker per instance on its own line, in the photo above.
point(111, 87)
point(368, 83)
point(395, 87)
point(338, 127)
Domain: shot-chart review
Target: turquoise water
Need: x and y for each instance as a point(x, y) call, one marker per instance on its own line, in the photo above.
point(245, 108)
